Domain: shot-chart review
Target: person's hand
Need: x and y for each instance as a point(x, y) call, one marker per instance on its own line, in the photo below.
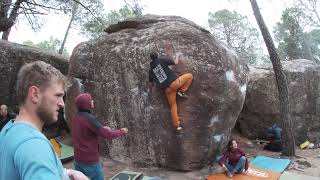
point(125, 130)
point(76, 175)
point(244, 171)
point(179, 59)
point(107, 127)
point(225, 168)
point(151, 88)
point(168, 48)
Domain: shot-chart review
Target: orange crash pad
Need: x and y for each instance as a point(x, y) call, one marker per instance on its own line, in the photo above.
point(253, 173)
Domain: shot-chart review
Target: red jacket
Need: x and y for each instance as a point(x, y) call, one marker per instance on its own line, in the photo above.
point(85, 131)
point(233, 157)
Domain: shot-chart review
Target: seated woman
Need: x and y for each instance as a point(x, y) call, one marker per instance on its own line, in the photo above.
point(234, 159)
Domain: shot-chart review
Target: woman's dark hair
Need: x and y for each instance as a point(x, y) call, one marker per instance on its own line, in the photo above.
point(153, 55)
point(230, 147)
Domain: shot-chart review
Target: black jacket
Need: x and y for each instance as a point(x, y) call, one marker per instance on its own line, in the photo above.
point(160, 72)
point(4, 121)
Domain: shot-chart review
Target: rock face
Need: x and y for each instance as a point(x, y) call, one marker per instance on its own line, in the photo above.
point(12, 57)
point(261, 108)
point(114, 69)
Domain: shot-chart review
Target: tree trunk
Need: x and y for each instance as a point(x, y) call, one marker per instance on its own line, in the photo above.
point(12, 18)
point(5, 24)
point(73, 13)
point(285, 122)
point(65, 36)
point(5, 34)
point(4, 8)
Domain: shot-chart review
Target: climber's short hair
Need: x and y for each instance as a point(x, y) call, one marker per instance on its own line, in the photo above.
point(153, 55)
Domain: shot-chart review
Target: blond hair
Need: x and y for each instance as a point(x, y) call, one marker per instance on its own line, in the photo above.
point(38, 74)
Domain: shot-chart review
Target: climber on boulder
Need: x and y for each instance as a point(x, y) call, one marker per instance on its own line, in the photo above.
point(165, 78)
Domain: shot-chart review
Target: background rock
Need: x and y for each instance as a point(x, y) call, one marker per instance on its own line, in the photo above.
point(261, 107)
point(12, 57)
point(114, 69)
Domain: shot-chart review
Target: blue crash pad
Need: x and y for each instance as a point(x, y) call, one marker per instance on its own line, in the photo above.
point(270, 164)
point(150, 178)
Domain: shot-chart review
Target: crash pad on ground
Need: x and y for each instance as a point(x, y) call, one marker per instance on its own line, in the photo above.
point(127, 175)
point(150, 178)
point(253, 173)
point(270, 164)
point(294, 176)
point(66, 153)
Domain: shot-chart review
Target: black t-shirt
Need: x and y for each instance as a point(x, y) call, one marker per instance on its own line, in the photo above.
point(161, 73)
point(4, 121)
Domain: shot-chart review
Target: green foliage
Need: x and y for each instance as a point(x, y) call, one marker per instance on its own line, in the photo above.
point(95, 27)
point(314, 43)
point(311, 9)
point(288, 33)
point(235, 30)
point(53, 44)
point(293, 41)
point(86, 11)
point(80, 11)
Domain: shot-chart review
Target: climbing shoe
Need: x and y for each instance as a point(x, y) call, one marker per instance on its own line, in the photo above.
point(179, 128)
point(182, 95)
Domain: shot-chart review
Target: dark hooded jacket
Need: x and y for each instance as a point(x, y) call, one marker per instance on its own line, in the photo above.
point(5, 120)
point(85, 132)
point(160, 73)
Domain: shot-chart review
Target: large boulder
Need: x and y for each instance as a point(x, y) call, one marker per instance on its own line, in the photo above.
point(114, 69)
point(261, 108)
point(12, 57)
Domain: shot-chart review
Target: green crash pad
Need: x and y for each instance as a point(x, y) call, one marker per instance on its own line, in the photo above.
point(294, 176)
point(127, 175)
point(66, 152)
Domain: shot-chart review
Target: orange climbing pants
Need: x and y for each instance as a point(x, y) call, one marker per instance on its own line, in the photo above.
point(181, 84)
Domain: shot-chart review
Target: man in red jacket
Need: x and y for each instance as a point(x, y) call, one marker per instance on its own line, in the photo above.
point(85, 132)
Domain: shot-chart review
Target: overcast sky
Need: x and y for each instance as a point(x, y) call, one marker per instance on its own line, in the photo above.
point(195, 10)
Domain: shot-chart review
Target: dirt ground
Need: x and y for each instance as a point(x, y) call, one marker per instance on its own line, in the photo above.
point(306, 162)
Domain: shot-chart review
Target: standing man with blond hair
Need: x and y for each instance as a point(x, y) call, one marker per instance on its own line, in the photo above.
point(25, 152)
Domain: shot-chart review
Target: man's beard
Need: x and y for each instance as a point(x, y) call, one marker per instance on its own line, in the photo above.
point(44, 114)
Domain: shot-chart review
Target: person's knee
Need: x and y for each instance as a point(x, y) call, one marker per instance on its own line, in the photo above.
point(243, 158)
